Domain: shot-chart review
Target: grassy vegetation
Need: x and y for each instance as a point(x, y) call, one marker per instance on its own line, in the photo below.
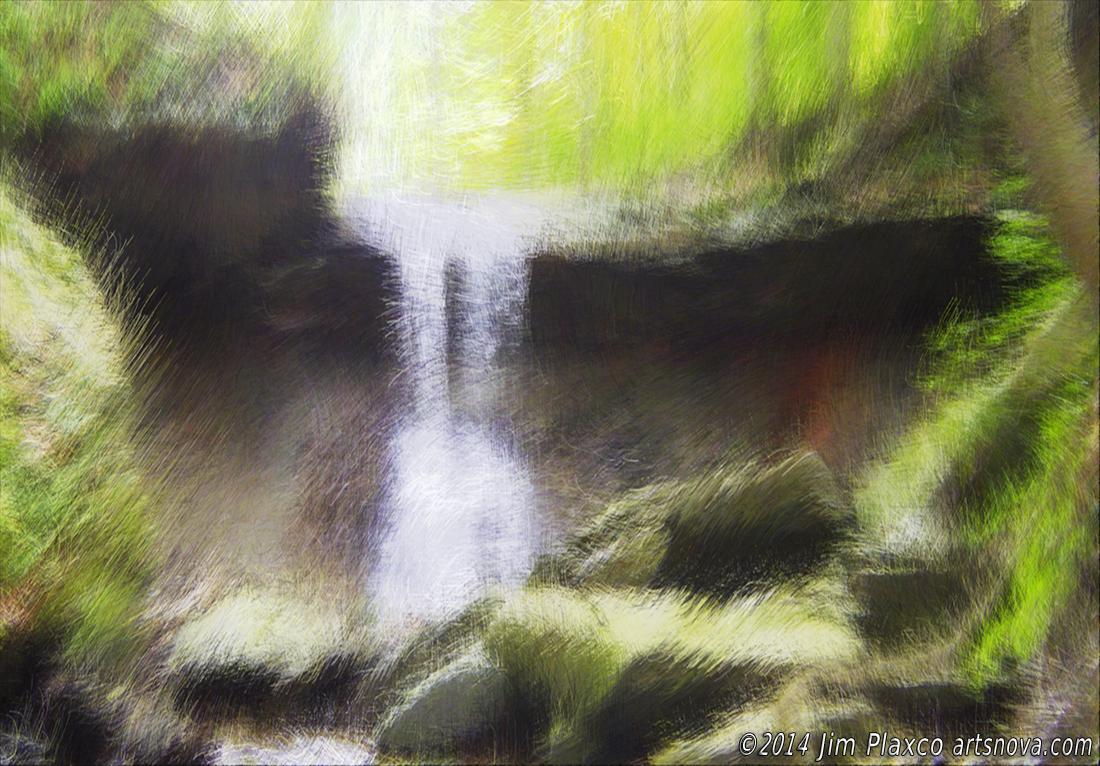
point(73, 530)
point(65, 58)
point(113, 63)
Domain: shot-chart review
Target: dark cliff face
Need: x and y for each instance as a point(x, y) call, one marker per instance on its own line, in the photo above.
point(227, 236)
point(192, 200)
point(216, 230)
point(228, 232)
point(895, 277)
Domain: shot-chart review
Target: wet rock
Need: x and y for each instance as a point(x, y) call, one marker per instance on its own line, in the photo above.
point(225, 229)
point(462, 703)
point(334, 299)
point(224, 686)
point(593, 304)
point(194, 199)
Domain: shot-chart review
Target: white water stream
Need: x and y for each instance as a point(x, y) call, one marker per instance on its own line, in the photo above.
point(459, 516)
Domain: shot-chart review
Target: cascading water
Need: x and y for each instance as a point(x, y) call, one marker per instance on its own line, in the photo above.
point(458, 517)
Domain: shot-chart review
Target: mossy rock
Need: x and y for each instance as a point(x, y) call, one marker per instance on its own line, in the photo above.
point(252, 648)
point(611, 675)
point(757, 525)
point(901, 606)
point(662, 695)
point(560, 651)
point(718, 534)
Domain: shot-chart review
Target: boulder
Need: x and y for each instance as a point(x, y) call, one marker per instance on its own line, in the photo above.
point(718, 534)
point(253, 648)
point(463, 703)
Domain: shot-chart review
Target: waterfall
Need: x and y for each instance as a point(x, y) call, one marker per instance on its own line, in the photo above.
point(458, 515)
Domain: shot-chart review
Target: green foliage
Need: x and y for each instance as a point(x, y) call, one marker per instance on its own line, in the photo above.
point(65, 58)
point(111, 62)
point(997, 466)
point(1033, 514)
point(628, 95)
point(1038, 282)
point(744, 99)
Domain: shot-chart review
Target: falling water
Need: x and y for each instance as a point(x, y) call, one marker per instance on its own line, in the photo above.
point(458, 517)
